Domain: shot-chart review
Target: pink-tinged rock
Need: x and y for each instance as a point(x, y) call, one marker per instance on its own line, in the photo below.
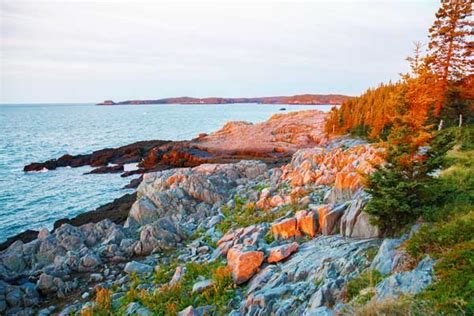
point(265, 194)
point(329, 219)
point(243, 264)
point(277, 201)
point(285, 229)
point(277, 254)
point(306, 222)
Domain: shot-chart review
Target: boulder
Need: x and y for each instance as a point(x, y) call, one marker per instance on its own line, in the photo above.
point(137, 267)
point(143, 212)
point(244, 264)
point(356, 223)
point(163, 234)
point(250, 236)
point(277, 254)
point(329, 218)
point(285, 229)
point(307, 222)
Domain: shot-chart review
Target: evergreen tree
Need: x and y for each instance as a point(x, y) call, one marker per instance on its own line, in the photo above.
point(450, 47)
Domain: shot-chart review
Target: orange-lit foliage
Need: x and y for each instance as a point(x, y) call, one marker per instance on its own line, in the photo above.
point(368, 115)
point(450, 55)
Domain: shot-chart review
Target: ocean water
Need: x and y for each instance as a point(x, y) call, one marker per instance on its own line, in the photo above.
point(38, 132)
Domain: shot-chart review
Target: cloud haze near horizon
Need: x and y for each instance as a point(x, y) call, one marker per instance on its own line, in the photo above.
point(88, 51)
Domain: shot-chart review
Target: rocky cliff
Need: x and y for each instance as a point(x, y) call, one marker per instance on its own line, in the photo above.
point(239, 238)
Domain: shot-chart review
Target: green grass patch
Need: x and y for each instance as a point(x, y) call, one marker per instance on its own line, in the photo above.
point(244, 214)
point(365, 280)
point(169, 300)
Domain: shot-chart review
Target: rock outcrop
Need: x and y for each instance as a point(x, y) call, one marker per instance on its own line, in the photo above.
point(295, 234)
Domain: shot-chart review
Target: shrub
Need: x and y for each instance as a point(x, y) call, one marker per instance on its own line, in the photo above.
point(400, 189)
point(453, 291)
point(440, 237)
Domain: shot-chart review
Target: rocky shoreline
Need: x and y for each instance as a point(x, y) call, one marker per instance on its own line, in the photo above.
point(290, 235)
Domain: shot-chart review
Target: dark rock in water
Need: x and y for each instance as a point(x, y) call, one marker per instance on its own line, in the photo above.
point(26, 236)
point(116, 211)
point(120, 155)
point(283, 109)
point(134, 183)
point(108, 169)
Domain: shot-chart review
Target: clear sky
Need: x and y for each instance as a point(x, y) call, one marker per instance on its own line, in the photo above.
point(88, 51)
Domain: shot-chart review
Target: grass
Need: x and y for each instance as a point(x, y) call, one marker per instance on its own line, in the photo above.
point(244, 214)
point(169, 300)
point(448, 234)
point(404, 306)
point(364, 281)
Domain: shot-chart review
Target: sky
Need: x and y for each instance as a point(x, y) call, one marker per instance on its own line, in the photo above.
point(88, 51)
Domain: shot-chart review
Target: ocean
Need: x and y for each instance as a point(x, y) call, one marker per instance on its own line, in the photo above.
point(38, 132)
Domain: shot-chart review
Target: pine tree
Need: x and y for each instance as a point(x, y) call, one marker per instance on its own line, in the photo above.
point(450, 47)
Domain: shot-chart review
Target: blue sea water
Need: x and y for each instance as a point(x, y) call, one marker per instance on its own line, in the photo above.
point(38, 132)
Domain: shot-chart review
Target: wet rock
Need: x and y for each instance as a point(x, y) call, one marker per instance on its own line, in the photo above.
point(137, 267)
point(126, 154)
point(244, 264)
point(107, 169)
point(277, 254)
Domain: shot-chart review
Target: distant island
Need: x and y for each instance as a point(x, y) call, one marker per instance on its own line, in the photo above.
point(309, 99)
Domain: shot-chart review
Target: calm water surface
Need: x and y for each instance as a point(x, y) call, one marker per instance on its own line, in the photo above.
point(36, 132)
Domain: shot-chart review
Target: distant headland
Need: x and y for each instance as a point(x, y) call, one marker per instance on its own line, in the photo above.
point(310, 99)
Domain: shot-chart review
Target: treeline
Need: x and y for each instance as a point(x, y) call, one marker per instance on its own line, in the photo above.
point(437, 93)
point(372, 114)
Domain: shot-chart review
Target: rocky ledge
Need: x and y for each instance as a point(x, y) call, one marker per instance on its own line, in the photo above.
point(294, 235)
point(271, 141)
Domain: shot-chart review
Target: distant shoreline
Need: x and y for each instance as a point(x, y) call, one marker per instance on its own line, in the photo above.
point(303, 99)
